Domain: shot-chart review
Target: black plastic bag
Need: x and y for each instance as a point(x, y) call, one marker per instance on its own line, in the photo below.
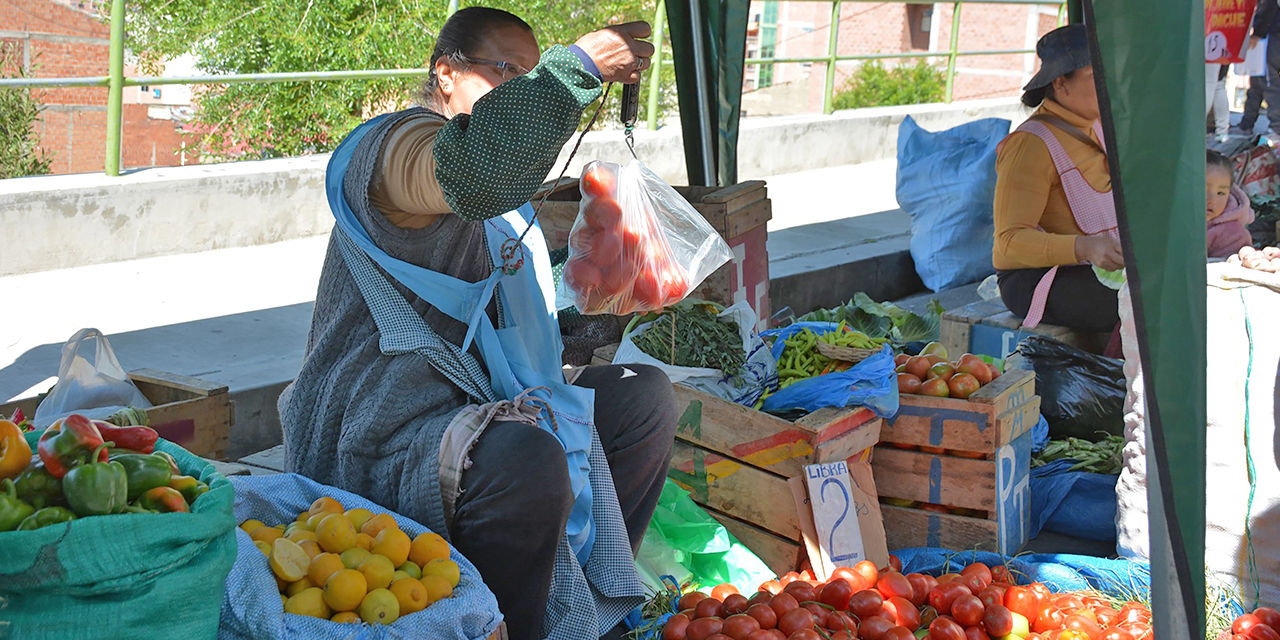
point(1080, 393)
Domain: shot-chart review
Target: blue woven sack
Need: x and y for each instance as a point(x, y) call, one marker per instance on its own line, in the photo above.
point(251, 606)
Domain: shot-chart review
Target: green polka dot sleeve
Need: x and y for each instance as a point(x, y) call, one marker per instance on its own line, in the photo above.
point(492, 161)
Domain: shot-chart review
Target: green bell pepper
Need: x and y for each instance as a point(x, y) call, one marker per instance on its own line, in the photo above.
point(39, 488)
point(189, 487)
point(144, 471)
point(12, 510)
point(97, 488)
point(46, 517)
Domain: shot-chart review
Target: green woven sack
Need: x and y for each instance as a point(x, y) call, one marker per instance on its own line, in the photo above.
point(123, 576)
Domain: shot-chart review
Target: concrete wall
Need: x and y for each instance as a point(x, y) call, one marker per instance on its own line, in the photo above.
point(62, 221)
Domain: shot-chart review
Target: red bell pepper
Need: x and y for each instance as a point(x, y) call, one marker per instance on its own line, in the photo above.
point(70, 442)
point(140, 439)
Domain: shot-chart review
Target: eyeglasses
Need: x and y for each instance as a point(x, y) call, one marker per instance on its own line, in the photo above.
point(509, 70)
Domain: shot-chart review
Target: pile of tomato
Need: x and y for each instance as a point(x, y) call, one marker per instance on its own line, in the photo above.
point(868, 603)
point(619, 261)
point(1259, 625)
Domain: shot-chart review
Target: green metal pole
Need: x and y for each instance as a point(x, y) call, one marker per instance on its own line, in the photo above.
point(115, 90)
point(955, 44)
point(1062, 14)
point(453, 7)
point(828, 97)
point(655, 66)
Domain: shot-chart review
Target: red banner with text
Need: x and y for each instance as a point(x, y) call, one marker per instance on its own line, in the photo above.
point(1226, 28)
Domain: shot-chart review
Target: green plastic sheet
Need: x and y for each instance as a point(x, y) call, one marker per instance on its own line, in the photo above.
point(683, 541)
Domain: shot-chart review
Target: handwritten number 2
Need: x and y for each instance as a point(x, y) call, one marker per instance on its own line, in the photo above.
point(831, 539)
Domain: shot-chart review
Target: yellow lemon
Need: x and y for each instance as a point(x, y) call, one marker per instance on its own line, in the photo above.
point(302, 517)
point(266, 534)
point(437, 588)
point(377, 571)
point(412, 569)
point(263, 547)
point(323, 566)
point(364, 541)
point(427, 547)
point(447, 569)
point(300, 535)
point(289, 561)
point(394, 544)
point(345, 590)
point(284, 599)
point(380, 607)
point(353, 558)
point(325, 505)
point(400, 575)
point(358, 517)
point(314, 521)
point(295, 588)
point(311, 547)
point(335, 533)
point(249, 526)
point(281, 527)
point(373, 526)
point(411, 595)
point(308, 603)
point(345, 617)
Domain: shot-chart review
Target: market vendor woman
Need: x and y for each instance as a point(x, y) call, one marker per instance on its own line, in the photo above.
point(432, 382)
point(1054, 214)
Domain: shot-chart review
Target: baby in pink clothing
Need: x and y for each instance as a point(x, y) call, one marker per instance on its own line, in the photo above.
point(1227, 210)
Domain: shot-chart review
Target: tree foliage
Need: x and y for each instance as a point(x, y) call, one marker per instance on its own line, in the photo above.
point(874, 85)
point(20, 152)
point(266, 36)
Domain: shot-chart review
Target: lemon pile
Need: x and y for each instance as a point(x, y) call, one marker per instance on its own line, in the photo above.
point(352, 566)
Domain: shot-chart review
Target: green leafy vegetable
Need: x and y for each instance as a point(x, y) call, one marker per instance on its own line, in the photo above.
point(1095, 457)
point(700, 338)
point(883, 319)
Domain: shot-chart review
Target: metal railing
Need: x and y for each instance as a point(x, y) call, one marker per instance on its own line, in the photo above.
point(116, 81)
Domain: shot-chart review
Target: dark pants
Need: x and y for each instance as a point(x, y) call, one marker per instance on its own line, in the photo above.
point(1076, 300)
point(1271, 92)
point(1253, 102)
point(516, 499)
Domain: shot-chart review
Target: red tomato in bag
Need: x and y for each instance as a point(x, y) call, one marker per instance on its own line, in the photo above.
point(605, 248)
point(598, 181)
point(647, 291)
point(604, 213)
point(582, 275)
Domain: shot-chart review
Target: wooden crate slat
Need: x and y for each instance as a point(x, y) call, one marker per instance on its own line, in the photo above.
point(166, 382)
point(1018, 420)
point(272, 459)
point(769, 442)
point(735, 488)
point(200, 425)
point(905, 527)
point(749, 218)
point(964, 425)
point(778, 553)
point(944, 480)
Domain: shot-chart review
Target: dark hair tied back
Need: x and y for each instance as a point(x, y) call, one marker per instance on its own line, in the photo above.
point(1215, 159)
point(465, 33)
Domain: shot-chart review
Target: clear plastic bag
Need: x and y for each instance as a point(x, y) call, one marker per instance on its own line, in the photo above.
point(637, 245)
point(96, 389)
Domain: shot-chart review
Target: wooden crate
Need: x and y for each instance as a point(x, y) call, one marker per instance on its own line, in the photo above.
point(739, 213)
point(988, 328)
point(192, 413)
point(735, 462)
point(973, 455)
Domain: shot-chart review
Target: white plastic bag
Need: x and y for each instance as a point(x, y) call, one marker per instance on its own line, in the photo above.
point(95, 389)
point(637, 245)
point(759, 372)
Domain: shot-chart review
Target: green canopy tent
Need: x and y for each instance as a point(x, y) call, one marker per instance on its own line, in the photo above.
point(1147, 61)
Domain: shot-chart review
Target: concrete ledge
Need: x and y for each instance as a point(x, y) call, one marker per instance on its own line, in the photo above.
point(83, 219)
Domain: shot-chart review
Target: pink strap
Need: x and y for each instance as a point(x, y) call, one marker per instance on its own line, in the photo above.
point(1039, 300)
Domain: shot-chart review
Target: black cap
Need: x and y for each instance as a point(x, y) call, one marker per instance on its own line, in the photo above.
point(1061, 51)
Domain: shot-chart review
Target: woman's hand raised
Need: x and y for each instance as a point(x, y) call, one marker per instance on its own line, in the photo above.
point(618, 52)
point(1102, 251)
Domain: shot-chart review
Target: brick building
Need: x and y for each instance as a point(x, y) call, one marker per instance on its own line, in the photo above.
point(66, 38)
point(800, 30)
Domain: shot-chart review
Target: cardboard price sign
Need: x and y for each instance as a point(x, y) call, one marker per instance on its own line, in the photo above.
point(839, 516)
point(1226, 28)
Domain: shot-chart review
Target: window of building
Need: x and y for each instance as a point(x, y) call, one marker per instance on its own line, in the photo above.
point(919, 20)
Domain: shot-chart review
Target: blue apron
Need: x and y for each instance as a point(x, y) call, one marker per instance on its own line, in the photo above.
point(524, 355)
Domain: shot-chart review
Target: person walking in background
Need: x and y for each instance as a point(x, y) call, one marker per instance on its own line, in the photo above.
point(1257, 82)
point(1215, 99)
point(1266, 25)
